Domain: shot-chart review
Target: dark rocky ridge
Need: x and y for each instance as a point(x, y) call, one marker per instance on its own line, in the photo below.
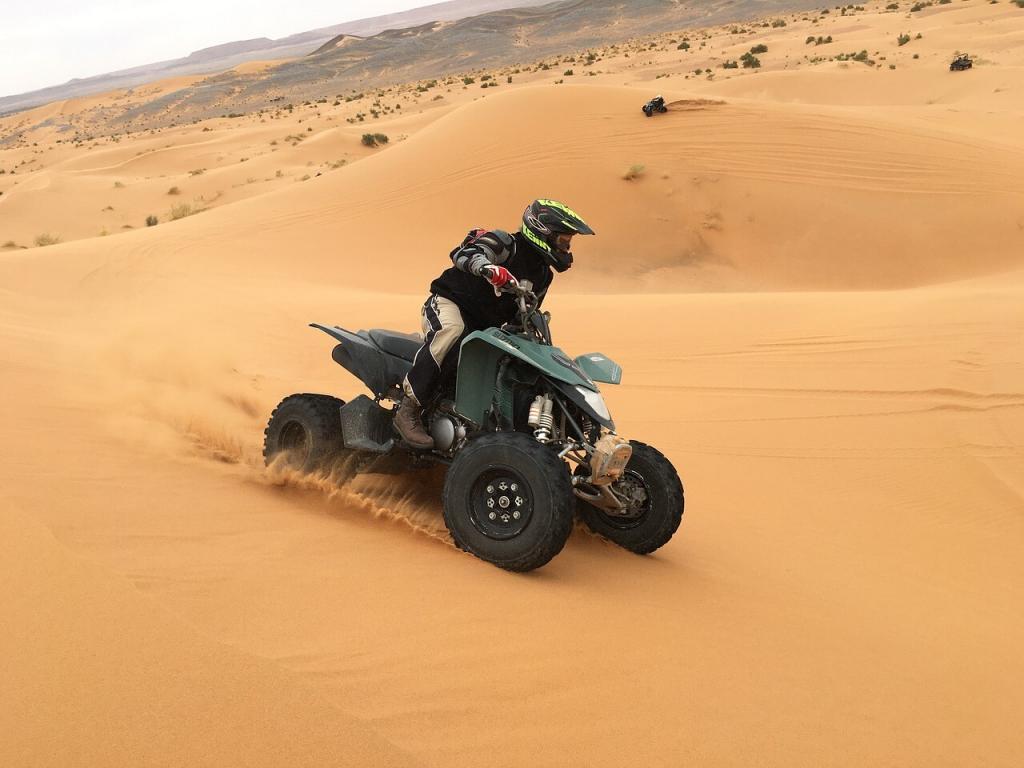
point(221, 57)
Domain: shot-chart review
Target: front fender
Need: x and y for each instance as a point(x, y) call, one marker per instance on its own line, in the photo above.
point(600, 368)
point(480, 355)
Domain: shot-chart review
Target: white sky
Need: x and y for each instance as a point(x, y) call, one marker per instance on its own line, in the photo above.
point(48, 42)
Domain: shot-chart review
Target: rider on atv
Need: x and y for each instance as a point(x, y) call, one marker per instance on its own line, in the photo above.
point(465, 297)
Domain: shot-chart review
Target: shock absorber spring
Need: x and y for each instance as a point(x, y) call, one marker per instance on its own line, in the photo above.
point(542, 418)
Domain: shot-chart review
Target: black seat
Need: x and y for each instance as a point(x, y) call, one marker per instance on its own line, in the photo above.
point(401, 345)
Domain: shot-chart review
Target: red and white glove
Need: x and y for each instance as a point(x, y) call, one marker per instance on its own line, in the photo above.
point(498, 276)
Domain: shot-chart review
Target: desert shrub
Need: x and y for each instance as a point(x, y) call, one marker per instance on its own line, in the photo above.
point(730, 64)
point(809, 40)
point(173, 191)
point(760, 48)
point(750, 61)
point(634, 172)
point(10, 244)
point(183, 210)
point(118, 185)
point(917, 56)
point(779, 23)
point(892, 7)
point(683, 46)
point(568, 72)
point(373, 139)
point(903, 39)
point(197, 172)
point(47, 239)
point(152, 221)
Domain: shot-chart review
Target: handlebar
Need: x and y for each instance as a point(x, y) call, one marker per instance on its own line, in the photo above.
point(519, 292)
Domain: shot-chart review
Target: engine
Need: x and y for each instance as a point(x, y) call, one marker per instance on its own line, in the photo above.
point(447, 432)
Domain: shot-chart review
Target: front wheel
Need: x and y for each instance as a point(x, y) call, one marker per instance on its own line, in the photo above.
point(508, 500)
point(655, 492)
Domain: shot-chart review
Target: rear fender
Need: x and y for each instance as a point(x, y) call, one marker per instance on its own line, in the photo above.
point(379, 371)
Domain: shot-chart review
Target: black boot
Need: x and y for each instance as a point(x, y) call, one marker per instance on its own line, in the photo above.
point(410, 427)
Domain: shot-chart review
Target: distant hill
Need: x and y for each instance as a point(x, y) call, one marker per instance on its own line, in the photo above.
point(222, 57)
point(509, 36)
point(430, 42)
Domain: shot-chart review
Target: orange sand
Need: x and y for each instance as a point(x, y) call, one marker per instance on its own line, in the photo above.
point(814, 288)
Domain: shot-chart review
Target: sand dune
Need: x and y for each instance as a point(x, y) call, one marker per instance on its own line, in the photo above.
point(814, 288)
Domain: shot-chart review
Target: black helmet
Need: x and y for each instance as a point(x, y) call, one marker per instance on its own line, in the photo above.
point(543, 221)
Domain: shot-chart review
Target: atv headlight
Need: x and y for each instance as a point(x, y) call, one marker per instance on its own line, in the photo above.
point(596, 402)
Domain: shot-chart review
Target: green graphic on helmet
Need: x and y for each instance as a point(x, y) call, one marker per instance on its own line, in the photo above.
point(535, 240)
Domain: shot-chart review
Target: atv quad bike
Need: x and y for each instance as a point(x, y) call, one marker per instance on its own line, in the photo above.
point(523, 430)
point(657, 104)
point(960, 63)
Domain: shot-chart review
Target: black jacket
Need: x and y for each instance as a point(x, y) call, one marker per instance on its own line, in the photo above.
point(462, 283)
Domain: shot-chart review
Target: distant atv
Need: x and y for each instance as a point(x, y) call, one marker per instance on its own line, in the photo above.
point(522, 427)
point(657, 104)
point(960, 63)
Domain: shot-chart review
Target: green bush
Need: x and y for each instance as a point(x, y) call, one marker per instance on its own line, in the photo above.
point(730, 65)
point(373, 139)
point(761, 48)
point(902, 39)
point(152, 221)
point(779, 23)
point(568, 72)
point(634, 172)
point(47, 239)
point(750, 61)
point(683, 46)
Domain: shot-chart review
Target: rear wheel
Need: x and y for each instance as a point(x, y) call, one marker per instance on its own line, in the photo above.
point(304, 430)
point(655, 494)
point(508, 500)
